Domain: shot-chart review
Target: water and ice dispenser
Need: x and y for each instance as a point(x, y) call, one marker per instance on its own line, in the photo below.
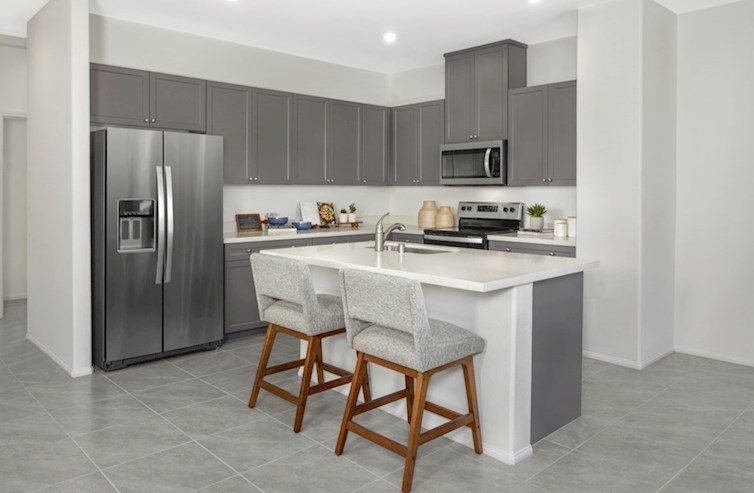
point(136, 225)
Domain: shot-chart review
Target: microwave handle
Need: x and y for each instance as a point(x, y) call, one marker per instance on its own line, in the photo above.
point(487, 162)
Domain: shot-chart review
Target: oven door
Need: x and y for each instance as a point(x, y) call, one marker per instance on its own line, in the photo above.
point(455, 241)
point(474, 163)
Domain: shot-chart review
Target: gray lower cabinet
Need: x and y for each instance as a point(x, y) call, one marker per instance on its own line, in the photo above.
point(532, 248)
point(417, 135)
point(375, 145)
point(477, 81)
point(271, 140)
point(228, 111)
point(542, 135)
point(334, 240)
point(407, 237)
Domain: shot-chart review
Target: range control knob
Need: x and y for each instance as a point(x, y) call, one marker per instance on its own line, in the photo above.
point(505, 209)
point(513, 209)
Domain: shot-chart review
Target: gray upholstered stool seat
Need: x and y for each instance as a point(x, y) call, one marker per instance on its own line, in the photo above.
point(288, 303)
point(387, 324)
point(449, 343)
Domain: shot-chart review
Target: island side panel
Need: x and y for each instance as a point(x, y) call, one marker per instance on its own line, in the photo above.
point(556, 353)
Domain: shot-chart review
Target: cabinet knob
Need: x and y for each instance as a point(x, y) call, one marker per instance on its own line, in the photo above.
point(146, 120)
point(249, 250)
point(251, 179)
point(365, 181)
point(507, 249)
point(552, 254)
point(256, 178)
point(549, 179)
point(544, 180)
point(153, 120)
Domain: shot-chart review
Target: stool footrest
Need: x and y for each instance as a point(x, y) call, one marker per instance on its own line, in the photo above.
point(441, 430)
point(441, 411)
point(335, 370)
point(315, 389)
point(375, 403)
point(377, 438)
point(282, 393)
point(285, 366)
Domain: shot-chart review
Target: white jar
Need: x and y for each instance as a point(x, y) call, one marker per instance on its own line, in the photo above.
point(561, 228)
point(572, 226)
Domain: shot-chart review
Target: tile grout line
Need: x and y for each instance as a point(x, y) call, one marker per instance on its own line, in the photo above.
point(192, 439)
point(750, 406)
point(64, 431)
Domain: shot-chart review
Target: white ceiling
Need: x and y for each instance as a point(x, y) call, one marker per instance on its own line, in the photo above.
point(349, 32)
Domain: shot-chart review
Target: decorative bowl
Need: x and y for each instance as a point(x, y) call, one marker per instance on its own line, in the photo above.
point(277, 220)
point(301, 225)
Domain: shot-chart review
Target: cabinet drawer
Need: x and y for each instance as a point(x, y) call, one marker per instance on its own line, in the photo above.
point(532, 248)
point(241, 251)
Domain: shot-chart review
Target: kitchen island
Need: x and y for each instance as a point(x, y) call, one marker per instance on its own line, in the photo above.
point(528, 308)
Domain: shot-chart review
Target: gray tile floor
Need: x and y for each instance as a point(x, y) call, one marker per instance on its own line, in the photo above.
point(685, 424)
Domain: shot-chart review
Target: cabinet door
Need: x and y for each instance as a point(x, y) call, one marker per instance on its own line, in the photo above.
point(119, 96)
point(241, 309)
point(491, 93)
point(375, 145)
point(271, 137)
point(177, 102)
point(561, 118)
point(310, 140)
point(344, 143)
point(228, 115)
point(459, 98)
point(405, 145)
point(527, 143)
point(431, 120)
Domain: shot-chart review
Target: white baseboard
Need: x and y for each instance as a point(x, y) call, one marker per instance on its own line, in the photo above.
point(636, 365)
point(15, 297)
point(736, 360)
point(656, 358)
point(73, 372)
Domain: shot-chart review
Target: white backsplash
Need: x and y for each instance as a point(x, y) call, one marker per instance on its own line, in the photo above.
point(402, 202)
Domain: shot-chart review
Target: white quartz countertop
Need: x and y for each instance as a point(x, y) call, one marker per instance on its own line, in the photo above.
point(364, 229)
point(537, 240)
point(459, 268)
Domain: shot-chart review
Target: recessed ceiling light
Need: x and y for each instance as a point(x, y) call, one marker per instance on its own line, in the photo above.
point(389, 37)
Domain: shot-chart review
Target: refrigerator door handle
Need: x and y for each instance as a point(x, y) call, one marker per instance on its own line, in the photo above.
point(170, 223)
point(160, 225)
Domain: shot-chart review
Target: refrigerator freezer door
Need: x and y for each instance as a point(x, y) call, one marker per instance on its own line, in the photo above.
point(133, 306)
point(193, 306)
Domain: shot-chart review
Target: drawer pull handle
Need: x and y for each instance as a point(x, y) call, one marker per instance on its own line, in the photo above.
point(552, 254)
point(249, 250)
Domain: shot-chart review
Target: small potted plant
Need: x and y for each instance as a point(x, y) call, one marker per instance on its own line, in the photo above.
point(352, 213)
point(536, 216)
point(343, 218)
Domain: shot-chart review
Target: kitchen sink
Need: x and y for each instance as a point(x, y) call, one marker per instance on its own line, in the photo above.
point(412, 249)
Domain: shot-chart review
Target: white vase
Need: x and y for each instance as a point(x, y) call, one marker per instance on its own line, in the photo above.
point(536, 223)
point(428, 214)
point(351, 217)
point(343, 218)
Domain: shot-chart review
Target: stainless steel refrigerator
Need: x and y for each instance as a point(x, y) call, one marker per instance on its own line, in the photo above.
point(157, 244)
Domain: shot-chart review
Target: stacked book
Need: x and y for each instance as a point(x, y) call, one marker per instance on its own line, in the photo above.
point(536, 233)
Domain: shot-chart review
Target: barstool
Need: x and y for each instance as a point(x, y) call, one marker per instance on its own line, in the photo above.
point(288, 303)
point(387, 324)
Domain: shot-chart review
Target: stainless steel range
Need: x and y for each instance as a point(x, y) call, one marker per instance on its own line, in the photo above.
point(477, 220)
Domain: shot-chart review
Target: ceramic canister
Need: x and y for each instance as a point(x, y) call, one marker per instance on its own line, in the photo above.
point(571, 226)
point(444, 218)
point(561, 228)
point(427, 214)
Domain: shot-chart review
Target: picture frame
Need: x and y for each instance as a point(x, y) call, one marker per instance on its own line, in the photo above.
point(248, 223)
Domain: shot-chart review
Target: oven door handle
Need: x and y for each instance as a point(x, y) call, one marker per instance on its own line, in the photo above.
point(455, 239)
point(487, 162)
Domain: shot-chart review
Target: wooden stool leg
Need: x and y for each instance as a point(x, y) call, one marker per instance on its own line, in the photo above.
point(469, 378)
point(306, 380)
point(409, 398)
point(320, 371)
point(365, 385)
point(353, 396)
point(269, 340)
point(420, 399)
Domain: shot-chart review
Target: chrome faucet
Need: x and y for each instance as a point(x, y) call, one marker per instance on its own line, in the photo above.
point(380, 234)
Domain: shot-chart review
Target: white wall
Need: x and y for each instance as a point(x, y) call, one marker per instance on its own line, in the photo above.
point(12, 76)
point(609, 133)
point(658, 174)
point(13, 220)
point(59, 298)
point(551, 61)
point(714, 271)
point(127, 44)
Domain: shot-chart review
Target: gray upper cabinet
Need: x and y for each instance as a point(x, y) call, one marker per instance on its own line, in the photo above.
point(375, 145)
point(119, 96)
point(270, 143)
point(310, 140)
point(417, 135)
point(477, 81)
point(344, 143)
point(542, 140)
point(228, 111)
point(177, 102)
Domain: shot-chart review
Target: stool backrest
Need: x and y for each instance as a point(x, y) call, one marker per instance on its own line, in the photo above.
point(278, 278)
point(390, 301)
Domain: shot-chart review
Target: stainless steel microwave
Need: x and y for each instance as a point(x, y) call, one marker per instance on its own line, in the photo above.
point(474, 163)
